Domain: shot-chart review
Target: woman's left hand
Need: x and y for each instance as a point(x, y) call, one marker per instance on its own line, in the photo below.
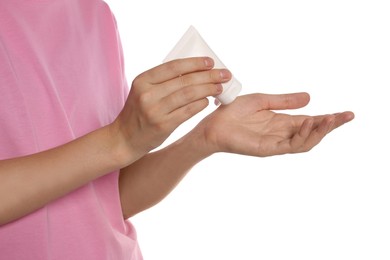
point(249, 126)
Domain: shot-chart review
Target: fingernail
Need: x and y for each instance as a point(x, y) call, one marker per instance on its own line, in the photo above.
point(219, 88)
point(224, 74)
point(208, 62)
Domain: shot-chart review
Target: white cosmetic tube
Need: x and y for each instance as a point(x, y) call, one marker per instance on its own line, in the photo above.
point(193, 45)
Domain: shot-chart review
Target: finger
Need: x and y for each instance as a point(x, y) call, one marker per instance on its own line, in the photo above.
point(299, 139)
point(284, 101)
point(175, 68)
point(339, 119)
point(318, 133)
point(342, 118)
point(188, 95)
point(186, 112)
point(204, 77)
point(193, 79)
point(310, 131)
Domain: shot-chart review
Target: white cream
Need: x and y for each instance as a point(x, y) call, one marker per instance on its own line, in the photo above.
point(193, 45)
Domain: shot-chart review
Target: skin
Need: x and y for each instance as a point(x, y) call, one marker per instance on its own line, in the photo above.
point(248, 126)
point(160, 100)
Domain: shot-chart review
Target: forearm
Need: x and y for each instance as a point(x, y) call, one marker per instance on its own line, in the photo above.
point(28, 183)
point(150, 179)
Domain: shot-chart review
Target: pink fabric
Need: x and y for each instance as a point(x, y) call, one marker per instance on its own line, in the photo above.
point(62, 76)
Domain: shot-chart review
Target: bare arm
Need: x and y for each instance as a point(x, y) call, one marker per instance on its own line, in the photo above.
point(28, 183)
point(150, 179)
point(160, 100)
point(247, 127)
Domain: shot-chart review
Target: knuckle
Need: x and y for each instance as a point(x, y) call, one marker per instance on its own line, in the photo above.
point(145, 97)
point(188, 94)
point(189, 110)
point(195, 107)
point(214, 75)
point(182, 80)
point(175, 66)
point(149, 116)
point(152, 116)
point(157, 122)
point(287, 100)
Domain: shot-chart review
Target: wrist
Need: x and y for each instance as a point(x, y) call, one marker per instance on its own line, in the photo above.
point(122, 151)
point(195, 142)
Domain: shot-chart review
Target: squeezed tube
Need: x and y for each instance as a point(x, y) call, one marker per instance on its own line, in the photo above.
point(193, 45)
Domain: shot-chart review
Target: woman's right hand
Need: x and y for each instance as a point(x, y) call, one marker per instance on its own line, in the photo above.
point(165, 96)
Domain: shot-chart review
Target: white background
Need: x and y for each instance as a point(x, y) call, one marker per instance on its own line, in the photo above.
point(330, 203)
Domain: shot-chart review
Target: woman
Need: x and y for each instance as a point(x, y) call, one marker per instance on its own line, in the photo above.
point(75, 160)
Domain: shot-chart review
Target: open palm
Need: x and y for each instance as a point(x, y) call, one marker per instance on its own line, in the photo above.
point(249, 126)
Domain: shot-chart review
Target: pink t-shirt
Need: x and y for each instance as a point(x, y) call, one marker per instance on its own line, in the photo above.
point(62, 76)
